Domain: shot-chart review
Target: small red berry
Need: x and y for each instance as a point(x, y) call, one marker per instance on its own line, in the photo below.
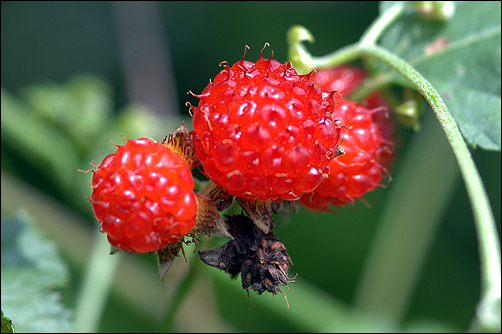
point(262, 131)
point(367, 141)
point(344, 80)
point(143, 196)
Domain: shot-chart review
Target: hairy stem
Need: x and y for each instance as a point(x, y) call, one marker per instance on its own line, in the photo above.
point(374, 31)
point(489, 244)
point(484, 219)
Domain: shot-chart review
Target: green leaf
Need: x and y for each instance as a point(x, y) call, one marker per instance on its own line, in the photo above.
point(31, 269)
point(461, 58)
point(82, 108)
point(38, 141)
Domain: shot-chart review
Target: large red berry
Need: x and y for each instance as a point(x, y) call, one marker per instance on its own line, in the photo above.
point(357, 171)
point(262, 131)
point(143, 196)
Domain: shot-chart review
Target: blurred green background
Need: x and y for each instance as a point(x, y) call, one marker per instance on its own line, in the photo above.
point(140, 59)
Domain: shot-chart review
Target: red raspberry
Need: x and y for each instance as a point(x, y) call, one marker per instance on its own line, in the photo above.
point(143, 196)
point(359, 170)
point(345, 79)
point(262, 131)
point(366, 140)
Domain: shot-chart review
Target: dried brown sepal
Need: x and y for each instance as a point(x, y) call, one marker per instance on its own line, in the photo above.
point(259, 211)
point(166, 256)
point(261, 258)
point(209, 220)
point(284, 206)
point(181, 143)
point(218, 195)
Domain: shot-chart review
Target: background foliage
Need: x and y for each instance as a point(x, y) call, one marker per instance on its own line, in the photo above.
point(76, 75)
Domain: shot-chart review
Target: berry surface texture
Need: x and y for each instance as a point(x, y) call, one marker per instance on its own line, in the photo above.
point(143, 196)
point(366, 140)
point(262, 131)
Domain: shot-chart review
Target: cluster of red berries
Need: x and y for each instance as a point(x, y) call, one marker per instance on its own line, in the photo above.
point(262, 133)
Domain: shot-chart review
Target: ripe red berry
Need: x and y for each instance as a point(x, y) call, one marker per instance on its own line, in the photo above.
point(262, 131)
point(366, 140)
point(143, 196)
point(358, 170)
point(344, 79)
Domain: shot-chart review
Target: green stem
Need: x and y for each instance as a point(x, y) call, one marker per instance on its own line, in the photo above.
point(96, 287)
point(375, 30)
point(304, 62)
point(484, 219)
point(339, 57)
point(489, 244)
point(180, 293)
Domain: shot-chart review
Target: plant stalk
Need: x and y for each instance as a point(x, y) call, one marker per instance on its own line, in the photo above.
point(184, 287)
point(489, 244)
